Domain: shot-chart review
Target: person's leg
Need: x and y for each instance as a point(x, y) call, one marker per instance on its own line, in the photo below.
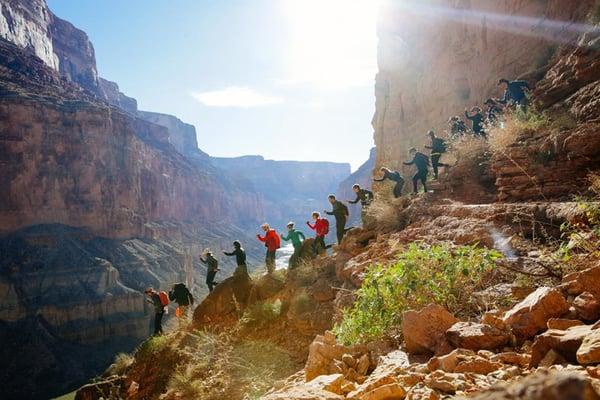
point(415, 180)
point(158, 323)
point(424, 180)
point(398, 189)
point(340, 229)
point(270, 261)
point(435, 159)
point(210, 280)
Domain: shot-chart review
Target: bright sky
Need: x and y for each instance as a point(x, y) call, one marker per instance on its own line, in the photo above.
point(286, 79)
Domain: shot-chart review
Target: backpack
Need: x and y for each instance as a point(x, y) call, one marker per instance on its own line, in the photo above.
point(440, 145)
point(277, 241)
point(326, 224)
point(164, 299)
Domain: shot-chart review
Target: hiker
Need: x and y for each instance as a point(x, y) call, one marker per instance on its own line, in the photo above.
point(240, 258)
point(159, 309)
point(363, 195)
point(476, 118)
point(514, 92)
point(183, 297)
point(297, 237)
point(422, 163)
point(438, 147)
point(212, 267)
point(321, 228)
point(393, 176)
point(341, 214)
point(492, 112)
point(457, 127)
point(272, 243)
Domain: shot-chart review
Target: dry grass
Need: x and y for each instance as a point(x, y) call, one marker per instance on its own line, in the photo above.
point(517, 124)
point(121, 364)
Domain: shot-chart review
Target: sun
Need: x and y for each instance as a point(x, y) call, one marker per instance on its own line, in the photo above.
point(332, 43)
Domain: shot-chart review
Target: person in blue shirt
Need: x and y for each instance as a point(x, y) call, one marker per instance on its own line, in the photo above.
point(514, 92)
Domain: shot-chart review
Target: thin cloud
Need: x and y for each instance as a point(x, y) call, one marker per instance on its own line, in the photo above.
point(233, 96)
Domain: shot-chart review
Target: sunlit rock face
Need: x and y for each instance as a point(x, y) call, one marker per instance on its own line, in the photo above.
point(438, 57)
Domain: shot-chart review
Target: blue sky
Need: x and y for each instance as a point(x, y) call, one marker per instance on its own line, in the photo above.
point(287, 79)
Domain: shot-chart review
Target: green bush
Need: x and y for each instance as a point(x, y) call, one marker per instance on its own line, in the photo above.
point(261, 313)
point(423, 274)
point(303, 303)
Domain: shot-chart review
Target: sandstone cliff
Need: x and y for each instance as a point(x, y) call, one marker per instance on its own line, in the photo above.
point(437, 58)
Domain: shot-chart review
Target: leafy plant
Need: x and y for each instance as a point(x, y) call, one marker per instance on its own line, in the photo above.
point(261, 313)
point(423, 274)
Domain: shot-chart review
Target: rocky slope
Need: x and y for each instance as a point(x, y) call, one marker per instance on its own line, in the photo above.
point(438, 58)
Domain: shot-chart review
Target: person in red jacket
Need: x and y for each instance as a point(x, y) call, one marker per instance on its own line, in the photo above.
point(321, 227)
point(272, 243)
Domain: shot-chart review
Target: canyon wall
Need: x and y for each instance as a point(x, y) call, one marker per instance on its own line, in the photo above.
point(437, 58)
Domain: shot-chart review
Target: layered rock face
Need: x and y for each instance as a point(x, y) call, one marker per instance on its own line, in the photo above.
point(437, 58)
point(304, 190)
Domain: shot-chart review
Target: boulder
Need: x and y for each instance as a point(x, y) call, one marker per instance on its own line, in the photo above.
point(562, 324)
point(449, 361)
point(510, 357)
point(566, 343)
point(477, 365)
point(302, 392)
point(424, 330)
point(474, 336)
point(587, 306)
point(543, 385)
point(385, 374)
point(331, 383)
point(531, 315)
point(321, 353)
point(587, 280)
point(589, 351)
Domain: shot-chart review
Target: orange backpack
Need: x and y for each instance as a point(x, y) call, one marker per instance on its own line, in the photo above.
point(164, 299)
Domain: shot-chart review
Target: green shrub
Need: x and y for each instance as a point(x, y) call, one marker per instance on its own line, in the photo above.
point(302, 303)
point(423, 274)
point(152, 346)
point(261, 313)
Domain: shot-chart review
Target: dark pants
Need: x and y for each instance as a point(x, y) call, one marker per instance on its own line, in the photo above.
point(158, 323)
point(241, 269)
point(340, 228)
point(420, 176)
point(270, 261)
point(435, 163)
point(295, 258)
point(319, 244)
point(398, 189)
point(210, 280)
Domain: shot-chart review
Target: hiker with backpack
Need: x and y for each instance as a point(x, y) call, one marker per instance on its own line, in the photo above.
point(421, 161)
point(321, 228)
point(476, 118)
point(457, 127)
point(393, 176)
point(341, 214)
point(212, 267)
point(438, 147)
point(297, 237)
point(240, 258)
point(184, 299)
point(514, 93)
point(272, 243)
point(160, 301)
point(363, 195)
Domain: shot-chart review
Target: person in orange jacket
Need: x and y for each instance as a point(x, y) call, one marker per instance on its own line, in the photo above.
point(321, 227)
point(272, 243)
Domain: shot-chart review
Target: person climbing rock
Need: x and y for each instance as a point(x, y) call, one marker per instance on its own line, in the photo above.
point(212, 267)
point(341, 214)
point(492, 112)
point(476, 118)
point(297, 237)
point(392, 176)
point(240, 258)
point(421, 161)
point(184, 299)
point(321, 228)
point(272, 243)
point(438, 147)
point(363, 195)
point(514, 92)
point(457, 127)
point(159, 309)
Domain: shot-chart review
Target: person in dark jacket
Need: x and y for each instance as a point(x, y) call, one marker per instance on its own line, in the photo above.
point(297, 237)
point(159, 310)
point(393, 176)
point(240, 258)
point(438, 147)
point(421, 161)
point(493, 112)
point(184, 299)
point(457, 127)
point(341, 214)
point(476, 118)
point(212, 267)
point(514, 92)
point(363, 195)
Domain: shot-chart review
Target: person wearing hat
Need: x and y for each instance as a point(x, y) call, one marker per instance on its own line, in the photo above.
point(240, 258)
point(212, 267)
point(421, 161)
point(297, 237)
point(438, 147)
